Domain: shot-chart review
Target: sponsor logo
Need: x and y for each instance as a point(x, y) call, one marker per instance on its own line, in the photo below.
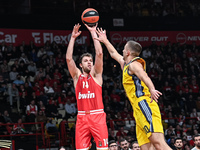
point(86, 96)
point(181, 38)
point(116, 38)
point(146, 129)
point(57, 38)
point(100, 143)
point(8, 38)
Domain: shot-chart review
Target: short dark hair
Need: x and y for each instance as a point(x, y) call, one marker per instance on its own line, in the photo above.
point(178, 138)
point(122, 140)
point(83, 55)
point(111, 142)
point(133, 143)
point(197, 135)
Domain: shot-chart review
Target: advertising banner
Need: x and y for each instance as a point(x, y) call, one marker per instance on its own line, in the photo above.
point(39, 37)
point(145, 38)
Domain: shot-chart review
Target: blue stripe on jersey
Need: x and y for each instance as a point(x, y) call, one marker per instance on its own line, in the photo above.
point(147, 113)
point(138, 87)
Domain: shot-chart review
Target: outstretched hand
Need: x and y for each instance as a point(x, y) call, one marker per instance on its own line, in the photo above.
point(76, 32)
point(101, 35)
point(155, 94)
point(93, 28)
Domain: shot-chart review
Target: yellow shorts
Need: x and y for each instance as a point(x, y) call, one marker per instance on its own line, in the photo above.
point(148, 119)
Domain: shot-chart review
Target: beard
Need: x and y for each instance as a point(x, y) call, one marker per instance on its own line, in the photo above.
point(125, 148)
point(86, 70)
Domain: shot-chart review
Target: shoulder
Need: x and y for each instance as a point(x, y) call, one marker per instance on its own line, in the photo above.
point(135, 64)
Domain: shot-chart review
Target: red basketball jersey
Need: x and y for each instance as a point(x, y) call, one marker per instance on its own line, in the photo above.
point(88, 94)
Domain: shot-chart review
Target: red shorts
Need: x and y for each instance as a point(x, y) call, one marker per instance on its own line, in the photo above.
point(88, 124)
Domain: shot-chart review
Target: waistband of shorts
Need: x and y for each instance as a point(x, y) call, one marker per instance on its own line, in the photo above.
point(91, 112)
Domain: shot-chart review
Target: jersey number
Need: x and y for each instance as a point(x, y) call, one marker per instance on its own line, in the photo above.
point(85, 84)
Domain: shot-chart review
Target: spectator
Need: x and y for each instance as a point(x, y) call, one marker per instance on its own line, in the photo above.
point(135, 145)
point(52, 110)
point(47, 79)
point(23, 59)
point(50, 127)
point(62, 99)
point(70, 109)
point(18, 81)
point(111, 135)
point(38, 89)
point(18, 128)
point(47, 89)
point(124, 144)
point(56, 88)
point(42, 97)
point(31, 111)
point(13, 74)
point(146, 53)
point(57, 75)
point(4, 66)
point(196, 142)
point(33, 56)
point(121, 133)
point(187, 147)
point(41, 117)
point(3, 89)
point(7, 117)
point(178, 131)
point(178, 143)
point(132, 132)
point(125, 112)
point(41, 53)
point(194, 113)
point(22, 69)
point(13, 94)
point(71, 96)
point(120, 122)
point(32, 69)
point(112, 145)
point(55, 79)
point(40, 74)
point(190, 103)
point(129, 122)
point(41, 107)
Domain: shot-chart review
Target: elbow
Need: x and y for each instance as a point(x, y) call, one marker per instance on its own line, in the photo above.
point(68, 58)
point(100, 54)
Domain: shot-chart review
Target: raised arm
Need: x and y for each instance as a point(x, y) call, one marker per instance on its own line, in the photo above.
point(98, 65)
point(73, 70)
point(112, 51)
point(137, 69)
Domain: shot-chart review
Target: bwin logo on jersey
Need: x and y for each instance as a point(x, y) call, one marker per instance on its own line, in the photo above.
point(85, 96)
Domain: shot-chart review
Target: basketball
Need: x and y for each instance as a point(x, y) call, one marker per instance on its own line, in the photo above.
point(90, 17)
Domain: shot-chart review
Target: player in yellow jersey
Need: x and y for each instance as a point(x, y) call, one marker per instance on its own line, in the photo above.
point(141, 93)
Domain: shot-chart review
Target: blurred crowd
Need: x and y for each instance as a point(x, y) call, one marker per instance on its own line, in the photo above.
point(35, 82)
point(149, 7)
point(122, 7)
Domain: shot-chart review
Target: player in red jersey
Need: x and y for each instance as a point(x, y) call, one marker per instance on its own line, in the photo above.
point(91, 118)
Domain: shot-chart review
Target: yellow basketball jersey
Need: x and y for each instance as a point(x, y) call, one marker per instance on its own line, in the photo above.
point(134, 87)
